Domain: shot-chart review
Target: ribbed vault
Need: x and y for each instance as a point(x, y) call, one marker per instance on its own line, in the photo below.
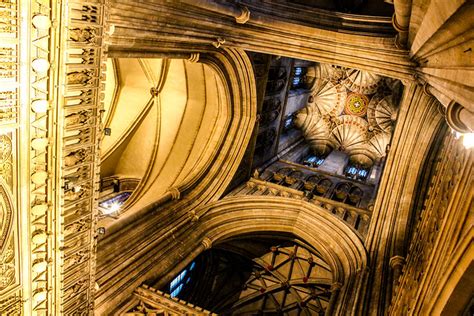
point(160, 138)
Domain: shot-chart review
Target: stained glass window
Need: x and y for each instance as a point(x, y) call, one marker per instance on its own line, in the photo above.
point(299, 78)
point(113, 204)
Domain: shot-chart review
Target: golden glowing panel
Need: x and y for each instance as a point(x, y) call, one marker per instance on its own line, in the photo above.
point(356, 104)
point(6, 215)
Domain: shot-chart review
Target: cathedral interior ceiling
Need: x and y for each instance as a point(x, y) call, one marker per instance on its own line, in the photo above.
point(180, 106)
point(350, 110)
point(164, 138)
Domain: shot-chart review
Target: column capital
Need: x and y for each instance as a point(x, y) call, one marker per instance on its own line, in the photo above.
point(459, 118)
point(175, 194)
point(244, 15)
point(397, 262)
point(207, 243)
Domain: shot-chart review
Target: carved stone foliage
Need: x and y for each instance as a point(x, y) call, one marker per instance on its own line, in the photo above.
point(6, 216)
point(437, 209)
point(59, 125)
point(7, 266)
point(81, 105)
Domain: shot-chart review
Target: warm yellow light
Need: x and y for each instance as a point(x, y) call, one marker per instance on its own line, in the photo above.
point(468, 140)
point(41, 22)
point(40, 296)
point(39, 177)
point(40, 266)
point(39, 106)
point(39, 210)
point(39, 143)
point(40, 65)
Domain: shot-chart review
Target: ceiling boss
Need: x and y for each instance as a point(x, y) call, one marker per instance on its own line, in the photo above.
point(356, 104)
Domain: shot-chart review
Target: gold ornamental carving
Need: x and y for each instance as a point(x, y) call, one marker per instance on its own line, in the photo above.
point(6, 216)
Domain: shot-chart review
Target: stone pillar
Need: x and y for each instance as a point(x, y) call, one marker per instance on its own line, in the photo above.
point(401, 20)
point(459, 118)
point(396, 263)
point(335, 289)
point(392, 214)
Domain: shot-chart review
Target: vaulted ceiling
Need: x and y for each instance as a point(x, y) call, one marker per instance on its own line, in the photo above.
point(350, 110)
point(155, 110)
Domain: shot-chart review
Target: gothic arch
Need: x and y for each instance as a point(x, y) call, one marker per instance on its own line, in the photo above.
point(340, 246)
point(204, 184)
point(221, 156)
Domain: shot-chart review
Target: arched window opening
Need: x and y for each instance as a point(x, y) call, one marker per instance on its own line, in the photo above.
point(341, 192)
point(288, 123)
point(292, 179)
point(313, 161)
point(180, 281)
point(113, 204)
point(347, 193)
point(322, 188)
point(298, 81)
point(356, 172)
point(355, 195)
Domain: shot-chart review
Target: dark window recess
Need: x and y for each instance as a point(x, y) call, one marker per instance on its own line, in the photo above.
point(180, 281)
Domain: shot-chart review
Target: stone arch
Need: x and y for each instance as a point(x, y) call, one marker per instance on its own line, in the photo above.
point(215, 168)
point(340, 246)
point(129, 264)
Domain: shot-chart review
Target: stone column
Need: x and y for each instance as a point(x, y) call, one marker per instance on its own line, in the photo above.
point(335, 289)
point(417, 126)
point(396, 263)
point(401, 20)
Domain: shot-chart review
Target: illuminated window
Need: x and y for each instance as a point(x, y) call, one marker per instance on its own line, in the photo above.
point(298, 80)
point(356, 172)
point(288, 123)
point(313, 161)
point(113, 204)
point(177, 285)
point(177, 290)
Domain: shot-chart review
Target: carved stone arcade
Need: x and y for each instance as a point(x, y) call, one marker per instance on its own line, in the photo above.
point(50, 103)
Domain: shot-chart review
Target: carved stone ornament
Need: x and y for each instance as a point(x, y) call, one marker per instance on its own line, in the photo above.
point(7, 266)
point(6, 216)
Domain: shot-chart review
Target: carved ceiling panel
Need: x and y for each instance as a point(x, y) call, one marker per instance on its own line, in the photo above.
point(349, 110)
point(290, 280)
